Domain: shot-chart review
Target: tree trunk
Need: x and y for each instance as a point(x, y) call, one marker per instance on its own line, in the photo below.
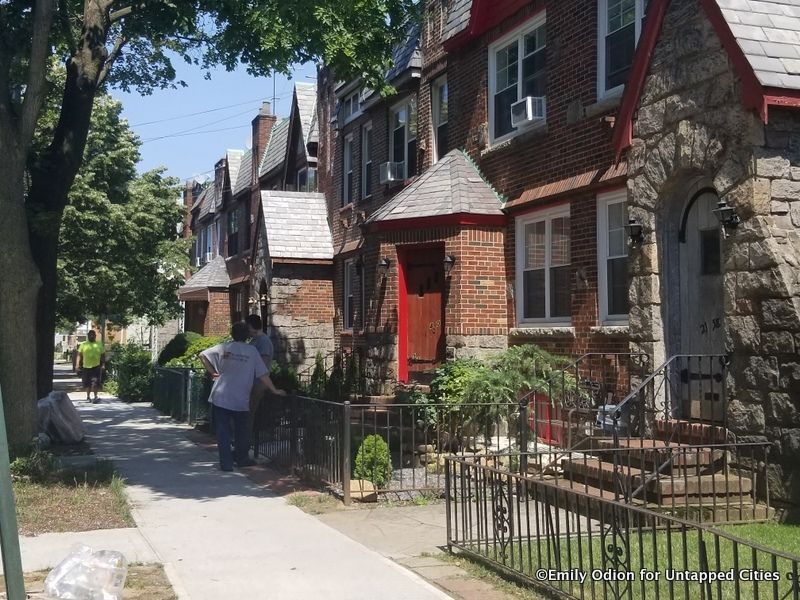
point(45, 254)
point(19, 286)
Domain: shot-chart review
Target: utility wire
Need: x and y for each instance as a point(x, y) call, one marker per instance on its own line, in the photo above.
point(196, 127)
point(175, 135)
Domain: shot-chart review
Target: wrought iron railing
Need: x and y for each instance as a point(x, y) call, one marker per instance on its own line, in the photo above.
point(182, 393)
point(583, 545)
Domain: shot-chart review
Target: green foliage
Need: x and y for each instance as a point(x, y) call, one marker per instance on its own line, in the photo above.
point(451, 381)
point(134, 373)
point(191, 358)
point(36, 465)
point(120, 251)
point(284, 376)
point(319, 378)
point(110, 386)
point(373, 462)
point(177, 346)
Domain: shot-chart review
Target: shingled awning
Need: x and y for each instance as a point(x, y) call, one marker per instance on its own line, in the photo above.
point(213, 275)
point(453, 186)
point(297, 225)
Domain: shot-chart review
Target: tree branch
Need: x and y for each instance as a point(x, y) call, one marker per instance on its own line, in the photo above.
point(120, 14)
point(63, 13)
point(37, 69)
point(112, 56)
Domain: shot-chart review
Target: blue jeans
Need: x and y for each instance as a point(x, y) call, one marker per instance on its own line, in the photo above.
point(222, 426)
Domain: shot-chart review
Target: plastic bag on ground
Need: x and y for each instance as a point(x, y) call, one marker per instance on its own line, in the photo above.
point(88, 575)
point(59, 419)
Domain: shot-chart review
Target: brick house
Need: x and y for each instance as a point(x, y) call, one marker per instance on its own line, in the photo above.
point(711, 125)
point(550, 267)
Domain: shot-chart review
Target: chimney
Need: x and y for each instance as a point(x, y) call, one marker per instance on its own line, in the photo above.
point(189, 196)
point(262, 127)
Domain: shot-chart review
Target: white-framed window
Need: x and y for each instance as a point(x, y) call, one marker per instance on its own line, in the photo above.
point(439, 101)
point(349, 303)
point(307, 179)
point(517, 69)
point(209, 249)
point(351, 106)
point(612, 255)
point(347, 174)
point(403, 135)
point(620, 23)
point(366, 160)
point(544, 285)
point(234, 218)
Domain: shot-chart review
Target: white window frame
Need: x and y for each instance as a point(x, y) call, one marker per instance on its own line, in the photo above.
point(348, 297)
point(406, 103)
point(518, 34)
point(440, 83)
point(602, 32)
point(547, 215)
point(366, 159)
point(355, 106)
point(209, 249)
point(605, 200)
point(297, 179)
point(348, 197)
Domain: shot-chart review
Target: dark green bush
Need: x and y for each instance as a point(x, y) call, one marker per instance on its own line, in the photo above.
point(191, 358)
point(319, 378)
point(177, 346)
point(373, 462)
point(284, 376)
point(134, 373)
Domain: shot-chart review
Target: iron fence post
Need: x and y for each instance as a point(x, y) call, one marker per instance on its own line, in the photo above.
point(447, 499)
point(188, 376)
point(346, 477)
point(523, 432)
point(293, 434)
point(9, 534)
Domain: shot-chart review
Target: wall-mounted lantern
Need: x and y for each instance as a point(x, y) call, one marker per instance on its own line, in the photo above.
point(635, 232)
point(449, 263)
point(727, 215)
point(383, 266)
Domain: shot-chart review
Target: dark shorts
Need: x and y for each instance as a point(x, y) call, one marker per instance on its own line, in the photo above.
point(88, 374)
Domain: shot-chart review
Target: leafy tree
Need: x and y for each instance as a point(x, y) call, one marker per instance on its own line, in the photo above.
point(129, 44)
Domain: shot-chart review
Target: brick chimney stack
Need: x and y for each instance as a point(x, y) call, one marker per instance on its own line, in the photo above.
point(262, 127)
point(189, 196)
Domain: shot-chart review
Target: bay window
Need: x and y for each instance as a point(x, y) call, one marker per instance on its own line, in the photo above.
point(403, 133)
point(620, 25)
point(517, 69)
point(612, 255)
point(543, 267)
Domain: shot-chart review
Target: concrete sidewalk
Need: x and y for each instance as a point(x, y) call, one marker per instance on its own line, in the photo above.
point(221, 536)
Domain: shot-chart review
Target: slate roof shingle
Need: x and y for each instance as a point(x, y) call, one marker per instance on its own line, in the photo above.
point(457, 19)
point(213, 274)
point(234, 158)
point(275, 152)
point(306, 95)
point(451, 186)
point(406, 56)
point(296, 224)
point(768, 32)
point(245, 173)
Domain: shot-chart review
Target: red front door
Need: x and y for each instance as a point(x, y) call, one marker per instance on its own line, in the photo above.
point(424, 278)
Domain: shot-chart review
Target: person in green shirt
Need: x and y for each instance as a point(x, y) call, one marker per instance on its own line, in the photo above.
point(90, 362)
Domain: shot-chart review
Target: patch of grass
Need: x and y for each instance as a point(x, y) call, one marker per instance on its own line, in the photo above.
point(144, 582)
point(314, 503)
point(52, 499)
point(480, 571)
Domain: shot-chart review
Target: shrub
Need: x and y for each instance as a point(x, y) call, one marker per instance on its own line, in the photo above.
point(134, 373)
point(177, 346)
point(191, 358)
point(373, 462)
point(319, 378)
point(37, 465)
point(284, 376)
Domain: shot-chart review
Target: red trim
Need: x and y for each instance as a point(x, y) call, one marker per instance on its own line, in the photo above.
point(623, 130)
point(402, 317)
point(484, 15)
point(781, 97)
point(459, 219)
point(752, 93)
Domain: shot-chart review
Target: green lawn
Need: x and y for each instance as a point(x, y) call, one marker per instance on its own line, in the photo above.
point(661, 552)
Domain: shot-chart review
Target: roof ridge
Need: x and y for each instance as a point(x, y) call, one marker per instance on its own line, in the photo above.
point(502, 197)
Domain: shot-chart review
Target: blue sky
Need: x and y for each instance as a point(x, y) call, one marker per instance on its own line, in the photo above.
point(184, 149)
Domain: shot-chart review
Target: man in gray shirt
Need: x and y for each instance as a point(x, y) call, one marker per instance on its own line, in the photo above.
point(234, 366)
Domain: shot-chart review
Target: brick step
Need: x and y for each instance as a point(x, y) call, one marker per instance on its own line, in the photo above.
point(656, 452)
point(689, 432)
point(684, 484)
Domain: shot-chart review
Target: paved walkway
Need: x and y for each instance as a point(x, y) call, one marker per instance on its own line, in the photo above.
point(221, 536)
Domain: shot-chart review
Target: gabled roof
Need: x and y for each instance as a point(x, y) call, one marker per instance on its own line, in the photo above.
point(406, 56)
point(306, 101)
point(453, 186)
point(468, 19)
point(296, 224)
point(457, 19)
point(234, 160)
point(244, 175)
point(275, 152)
point(213, 274)
point(208, 201)
point(766, 30)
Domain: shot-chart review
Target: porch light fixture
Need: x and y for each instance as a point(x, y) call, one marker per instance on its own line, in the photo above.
point(727, 215)
point(383, 266)
point(449, 263)
point(635, 232)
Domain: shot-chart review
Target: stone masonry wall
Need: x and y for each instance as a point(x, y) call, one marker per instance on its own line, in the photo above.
point(691, 131)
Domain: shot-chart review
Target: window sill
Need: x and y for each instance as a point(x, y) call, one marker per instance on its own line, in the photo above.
point(520, 137)
point(543, 331)
point(610, 330)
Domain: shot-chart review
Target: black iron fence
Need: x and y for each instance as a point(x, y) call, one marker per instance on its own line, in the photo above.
point(182, 393)
point(586, 545)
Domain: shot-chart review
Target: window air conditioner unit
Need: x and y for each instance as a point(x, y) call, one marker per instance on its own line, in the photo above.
point(530, 109)
point(391, 172)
